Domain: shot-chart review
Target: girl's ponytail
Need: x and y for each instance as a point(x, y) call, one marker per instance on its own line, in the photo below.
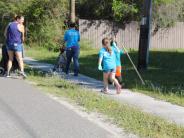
point(108, 48)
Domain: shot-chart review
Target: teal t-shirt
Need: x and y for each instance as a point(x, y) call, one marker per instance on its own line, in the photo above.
point(72, 38)
point(118, 54)
point(108, 60)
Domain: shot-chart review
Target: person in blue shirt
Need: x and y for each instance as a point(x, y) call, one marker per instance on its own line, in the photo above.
point(72, 38)
point(118, 53)
point(107, 63)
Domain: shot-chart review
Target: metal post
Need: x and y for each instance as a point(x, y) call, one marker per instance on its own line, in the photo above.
point(145, 35)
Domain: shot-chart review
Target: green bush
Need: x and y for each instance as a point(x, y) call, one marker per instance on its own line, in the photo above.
point(44, 20)
point(165, 12)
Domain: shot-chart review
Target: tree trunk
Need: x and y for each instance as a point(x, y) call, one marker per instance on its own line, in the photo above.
point(72, 10)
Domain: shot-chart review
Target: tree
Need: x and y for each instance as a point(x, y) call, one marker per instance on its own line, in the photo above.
point(165, 12)
point(95, 9)
point(72, 10)
point(44, 19)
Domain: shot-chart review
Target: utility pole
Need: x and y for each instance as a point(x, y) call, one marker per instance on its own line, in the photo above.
point(145, 35)
point(72, 10)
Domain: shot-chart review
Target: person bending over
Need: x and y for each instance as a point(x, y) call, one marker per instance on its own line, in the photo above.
point(72, 38)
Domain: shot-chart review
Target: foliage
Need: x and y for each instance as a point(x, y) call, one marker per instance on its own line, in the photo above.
point(125, 10)
point(95, 9)
point(165, 12)
point(44, 19)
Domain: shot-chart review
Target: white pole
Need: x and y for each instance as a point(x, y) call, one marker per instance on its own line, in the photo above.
point(134, 66)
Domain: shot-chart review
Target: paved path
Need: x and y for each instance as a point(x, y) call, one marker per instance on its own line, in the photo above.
point(26, 112)
point(147, 104)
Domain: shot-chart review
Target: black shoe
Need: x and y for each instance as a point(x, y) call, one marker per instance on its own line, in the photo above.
point(7, 75)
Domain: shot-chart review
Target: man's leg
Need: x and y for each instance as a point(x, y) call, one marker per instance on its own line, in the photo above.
point(10, 60)
point(76, 52)
point(20, 60)
point(68, 61)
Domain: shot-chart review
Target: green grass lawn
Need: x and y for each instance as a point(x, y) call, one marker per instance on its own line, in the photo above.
point(126, 117)
point(164, 78)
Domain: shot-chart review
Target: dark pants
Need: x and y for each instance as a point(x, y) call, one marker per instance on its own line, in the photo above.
point(73, 53)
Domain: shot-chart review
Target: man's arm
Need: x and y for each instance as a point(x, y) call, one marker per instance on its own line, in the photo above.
point(5, 31)
point(22, 30)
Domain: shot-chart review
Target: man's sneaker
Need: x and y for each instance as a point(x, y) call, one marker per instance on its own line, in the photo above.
point(23, 75)
point(7, 75)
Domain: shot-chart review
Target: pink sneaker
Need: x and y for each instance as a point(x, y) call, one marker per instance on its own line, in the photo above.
point(118, 89)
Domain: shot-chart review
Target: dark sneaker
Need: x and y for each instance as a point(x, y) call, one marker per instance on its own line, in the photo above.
point(7, 75)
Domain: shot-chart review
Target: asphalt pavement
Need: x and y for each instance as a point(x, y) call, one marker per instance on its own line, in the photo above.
point(26, 112)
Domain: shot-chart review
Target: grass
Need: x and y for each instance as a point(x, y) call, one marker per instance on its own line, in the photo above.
point(129, 118)
point(42, 54)
point(164, 78)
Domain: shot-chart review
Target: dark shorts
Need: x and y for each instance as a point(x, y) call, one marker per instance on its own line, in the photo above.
point(15, 47)
point(110, 71)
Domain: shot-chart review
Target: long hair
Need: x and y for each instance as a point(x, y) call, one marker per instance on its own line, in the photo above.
point(17, 17)
point(108, 48)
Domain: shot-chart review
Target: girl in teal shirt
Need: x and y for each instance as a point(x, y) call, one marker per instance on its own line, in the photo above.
point(107, 57)
point(118, 53)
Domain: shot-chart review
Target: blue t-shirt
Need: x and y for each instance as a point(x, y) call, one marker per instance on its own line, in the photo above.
point(108, 60)
point(72, 38)
point(118, 54)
